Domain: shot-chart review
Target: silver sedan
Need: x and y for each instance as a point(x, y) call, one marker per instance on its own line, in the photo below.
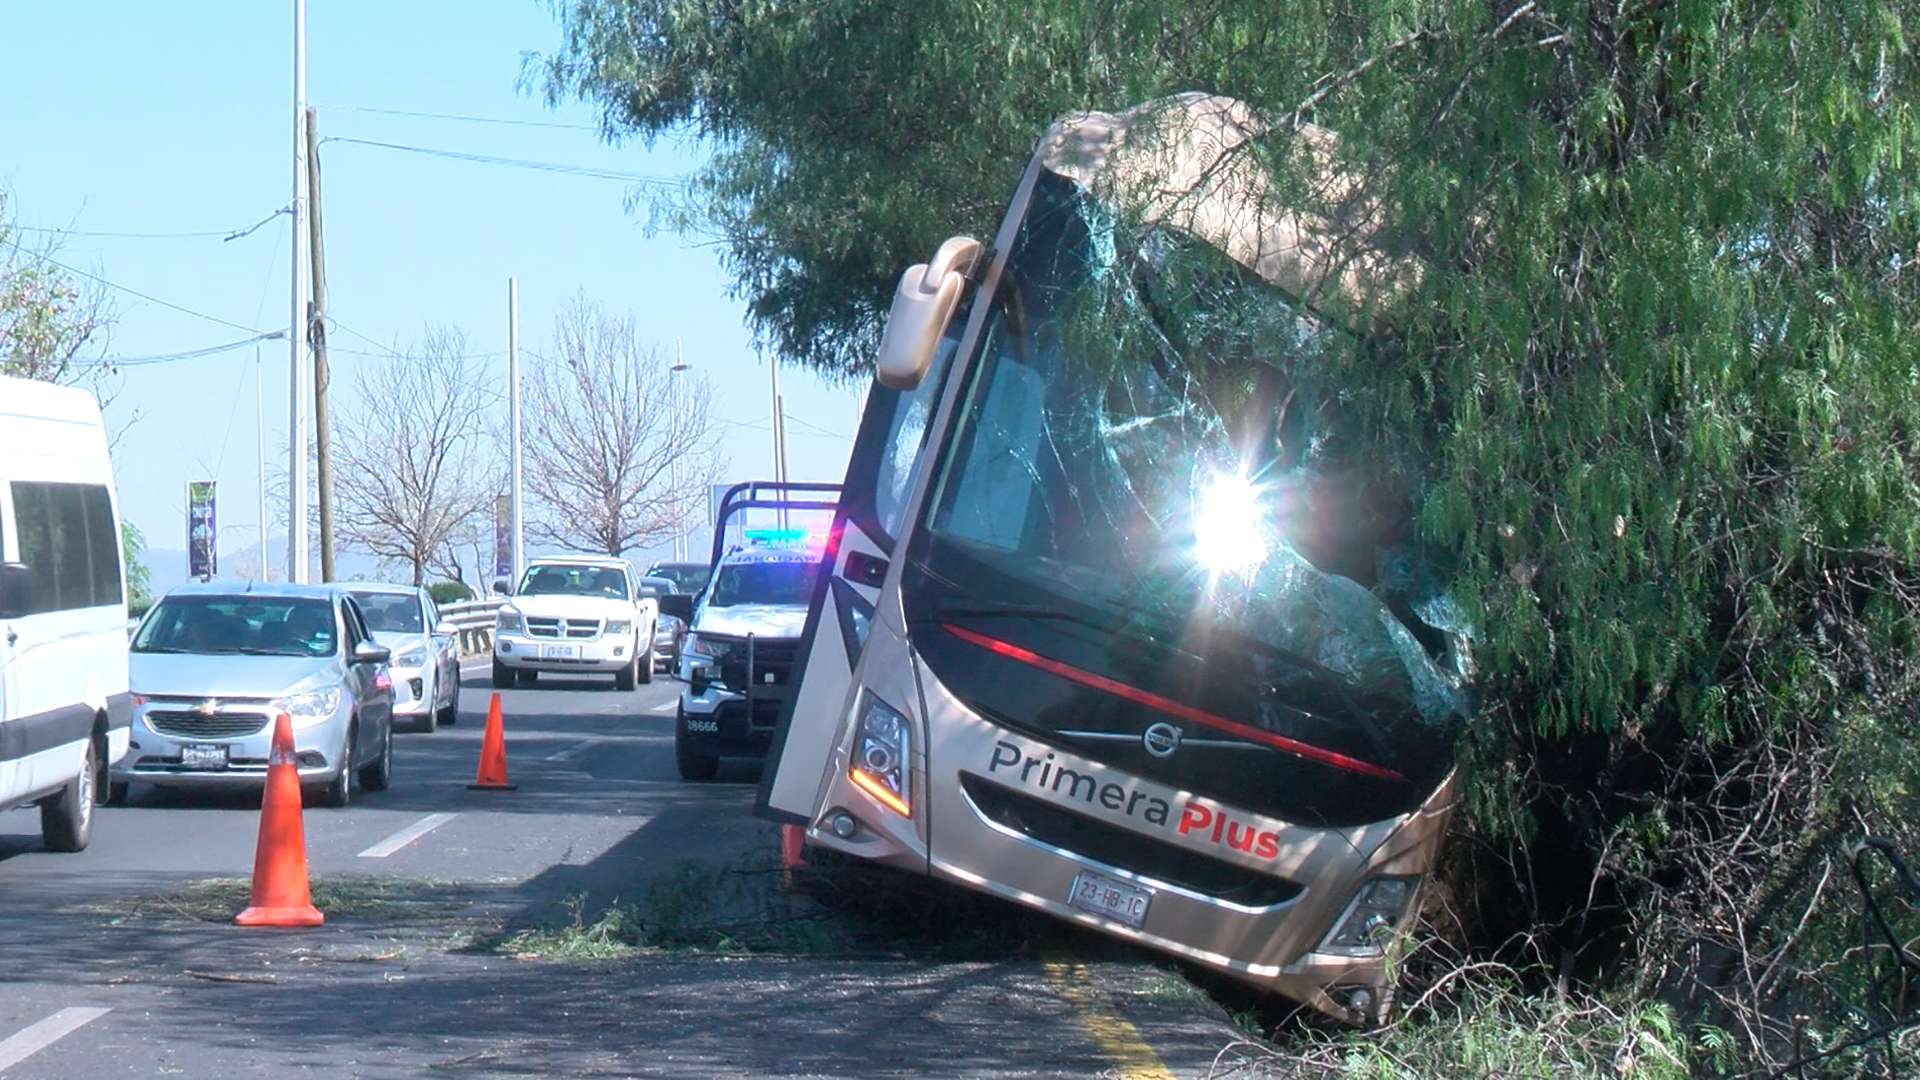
point(213, 664)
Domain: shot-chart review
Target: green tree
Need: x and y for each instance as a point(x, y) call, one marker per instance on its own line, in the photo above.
point(48, 316)
point(1654, 399)
point(133, 548)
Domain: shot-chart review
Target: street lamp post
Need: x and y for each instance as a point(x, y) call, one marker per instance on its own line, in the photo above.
point(679, 368)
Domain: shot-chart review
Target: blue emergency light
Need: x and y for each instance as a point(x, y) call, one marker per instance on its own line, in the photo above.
point(778, 537)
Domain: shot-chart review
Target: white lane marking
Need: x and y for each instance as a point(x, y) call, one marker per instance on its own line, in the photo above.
point(37, 1037)
point(572, 751)
point(666, 706)
point(406, 836)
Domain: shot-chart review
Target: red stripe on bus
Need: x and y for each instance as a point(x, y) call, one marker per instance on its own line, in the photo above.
point(1171, 707)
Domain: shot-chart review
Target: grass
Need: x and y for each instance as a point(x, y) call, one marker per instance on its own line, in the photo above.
point(752, 907)
point(219, 899)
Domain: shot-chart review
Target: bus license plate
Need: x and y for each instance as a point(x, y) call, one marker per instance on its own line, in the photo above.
point(559, 652)
point(213, 757)
point(1110, 897)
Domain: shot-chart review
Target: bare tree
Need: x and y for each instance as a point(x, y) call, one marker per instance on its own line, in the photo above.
point(613, 454)
point(415, 467)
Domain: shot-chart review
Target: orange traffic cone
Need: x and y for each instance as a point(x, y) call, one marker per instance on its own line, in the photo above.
point(280, 896)
point(492, 774)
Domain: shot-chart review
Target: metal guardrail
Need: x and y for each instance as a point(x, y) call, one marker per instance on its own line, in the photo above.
point(473, 621)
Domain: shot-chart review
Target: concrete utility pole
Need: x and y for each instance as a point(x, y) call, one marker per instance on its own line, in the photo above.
point(317, 337)
point(513, 422)
point(260, 448)
point(296, 366)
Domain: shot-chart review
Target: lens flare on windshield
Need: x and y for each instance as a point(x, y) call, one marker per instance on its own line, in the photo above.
point(1229, 527)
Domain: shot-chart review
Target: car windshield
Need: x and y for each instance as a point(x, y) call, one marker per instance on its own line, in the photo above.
point(574, 580)
point(687, 578)
point(243, 625)
point(391, 613)
point(787, 582)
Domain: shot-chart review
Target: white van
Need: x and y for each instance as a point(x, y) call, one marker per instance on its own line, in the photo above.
point(64, 705)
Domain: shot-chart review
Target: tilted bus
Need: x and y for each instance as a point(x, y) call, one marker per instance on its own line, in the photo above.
point(1104, 630)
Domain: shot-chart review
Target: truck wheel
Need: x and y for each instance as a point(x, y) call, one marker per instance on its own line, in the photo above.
point(502, 675)
point(694, 766)
point(645, 666)
point(623, 679)
point(66, 819)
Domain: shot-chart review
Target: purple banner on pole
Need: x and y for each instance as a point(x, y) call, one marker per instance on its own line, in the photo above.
point(502, 536)
point(203, 550)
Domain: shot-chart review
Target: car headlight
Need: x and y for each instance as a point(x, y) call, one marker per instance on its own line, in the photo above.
point(1372, 919)
point(880, 748)
point(619, 626)
point(412, 658)
point(312, 707)
point(714, 649)
point(508, 620)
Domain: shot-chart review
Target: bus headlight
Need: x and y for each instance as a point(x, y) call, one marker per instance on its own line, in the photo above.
point(1371, 920)
point(881, 745)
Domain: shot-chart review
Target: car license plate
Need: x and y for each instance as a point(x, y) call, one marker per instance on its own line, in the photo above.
point(559, 652)
point(1110, 897)
point(195, 756)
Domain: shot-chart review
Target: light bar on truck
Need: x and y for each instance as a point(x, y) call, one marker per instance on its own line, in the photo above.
point(779, 537)
point(1154, 701)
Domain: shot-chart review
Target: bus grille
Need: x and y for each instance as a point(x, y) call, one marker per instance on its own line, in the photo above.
point(1126, 849)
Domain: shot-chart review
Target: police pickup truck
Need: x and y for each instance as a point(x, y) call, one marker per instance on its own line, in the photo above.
point(738, 659)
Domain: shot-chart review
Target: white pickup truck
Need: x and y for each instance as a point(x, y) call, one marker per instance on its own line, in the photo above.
point(576, 614)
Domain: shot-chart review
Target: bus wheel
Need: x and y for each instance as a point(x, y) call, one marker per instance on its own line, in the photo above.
point(694, 766)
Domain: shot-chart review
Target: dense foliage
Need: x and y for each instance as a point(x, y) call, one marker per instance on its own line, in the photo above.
point(1657, 397)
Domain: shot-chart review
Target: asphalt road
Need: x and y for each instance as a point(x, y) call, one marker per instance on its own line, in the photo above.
point(120, 961)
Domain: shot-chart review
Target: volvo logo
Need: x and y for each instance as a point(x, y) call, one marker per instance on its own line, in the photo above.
point(1161, 740)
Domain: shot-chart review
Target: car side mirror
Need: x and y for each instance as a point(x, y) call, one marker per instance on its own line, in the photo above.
point(502, 587)
point(16, 589)
point(368, 652)
point(678, 605)
point(923, 305)
point(446, 629)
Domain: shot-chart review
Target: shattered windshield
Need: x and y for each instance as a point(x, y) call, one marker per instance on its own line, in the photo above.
point(1146, 431)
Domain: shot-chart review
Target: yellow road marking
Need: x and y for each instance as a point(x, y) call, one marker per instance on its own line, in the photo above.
point(1117, 1038)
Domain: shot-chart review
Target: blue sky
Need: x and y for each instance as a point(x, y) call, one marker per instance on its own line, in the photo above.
point(139, 117)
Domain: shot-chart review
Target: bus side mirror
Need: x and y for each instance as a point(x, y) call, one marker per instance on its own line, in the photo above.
point(678, 605)
point(16, 587)
point(922, 307)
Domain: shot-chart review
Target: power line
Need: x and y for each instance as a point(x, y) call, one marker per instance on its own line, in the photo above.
point(203, 234)
point(518, 163)
point(187, 354)
point(461, 117)
point(144, 296)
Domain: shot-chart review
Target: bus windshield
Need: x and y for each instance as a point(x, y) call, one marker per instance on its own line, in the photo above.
point(1144, 448)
